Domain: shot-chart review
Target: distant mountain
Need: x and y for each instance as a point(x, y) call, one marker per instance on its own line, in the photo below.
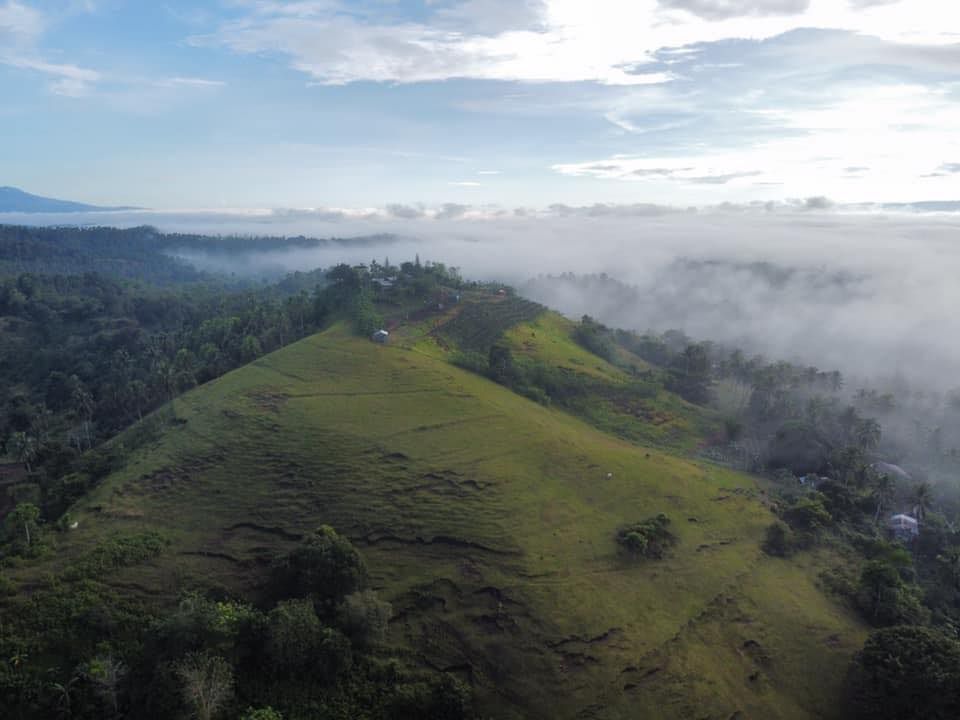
point(15, 200)
point(925, 206)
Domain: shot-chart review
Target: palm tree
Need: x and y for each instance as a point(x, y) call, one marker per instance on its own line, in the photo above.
point(816, 407)
point(922, 499)
point(868, 433)
point(883, 491)
point(64, 693)
point(83, 406)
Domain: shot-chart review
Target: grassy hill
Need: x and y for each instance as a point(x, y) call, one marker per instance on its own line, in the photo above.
point(488, 521)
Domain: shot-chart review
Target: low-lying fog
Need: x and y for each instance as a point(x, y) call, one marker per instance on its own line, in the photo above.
point(873, 295)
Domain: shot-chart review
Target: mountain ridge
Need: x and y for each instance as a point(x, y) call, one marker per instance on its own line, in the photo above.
point(13, 199)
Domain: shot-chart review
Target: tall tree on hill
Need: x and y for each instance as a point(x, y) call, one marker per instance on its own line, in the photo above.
point(922, 499)
point(868, 433)
point(23, 519)
point(25, 449)
point(83, 408)
point(884, 490)
point(207, 683)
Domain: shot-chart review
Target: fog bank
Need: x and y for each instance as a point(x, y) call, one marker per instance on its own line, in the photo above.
point(868, 293)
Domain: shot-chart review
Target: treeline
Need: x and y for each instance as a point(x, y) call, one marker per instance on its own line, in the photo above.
point(311, 649)
point(141, 252)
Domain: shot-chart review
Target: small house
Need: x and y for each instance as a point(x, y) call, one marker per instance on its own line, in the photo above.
point(904, 527)
point(894, 471)
point(380, 336)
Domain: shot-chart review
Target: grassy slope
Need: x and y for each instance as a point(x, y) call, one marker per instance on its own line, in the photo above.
point(488, 521)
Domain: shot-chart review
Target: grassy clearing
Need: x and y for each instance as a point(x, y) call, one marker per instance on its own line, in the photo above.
point(621, 402)
point(488, 521)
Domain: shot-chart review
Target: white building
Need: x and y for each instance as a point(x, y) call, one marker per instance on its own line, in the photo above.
point(904, 527)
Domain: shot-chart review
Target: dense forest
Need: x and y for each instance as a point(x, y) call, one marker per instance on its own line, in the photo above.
point(102, 328)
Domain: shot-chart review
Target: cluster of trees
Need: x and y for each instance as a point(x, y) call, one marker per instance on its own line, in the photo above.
point(313, 648)
point(362, 291)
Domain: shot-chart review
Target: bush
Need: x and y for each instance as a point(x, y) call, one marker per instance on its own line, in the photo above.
point(533, 393)
point(99, 463)
point(116, 552)
point(267, 713)
point(7, 586)
point(445, 698)
point(469, 360)
point(364, 618)
point(649, 538)
point(780, 540)
point(808, 513)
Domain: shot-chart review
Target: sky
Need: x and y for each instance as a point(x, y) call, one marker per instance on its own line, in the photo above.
point(479, 103)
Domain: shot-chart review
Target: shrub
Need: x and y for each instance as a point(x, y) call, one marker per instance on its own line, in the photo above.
point(116, 552)
point(780, 540)
point(808, 513)
point(469, 360)
point(7, 586)
point(364, 617)
point(267, 713)
point(649, 538)
point(444, 698)
point(99, 463)
point(534, 393)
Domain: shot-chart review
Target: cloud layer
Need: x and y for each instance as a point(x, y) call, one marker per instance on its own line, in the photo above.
point(871, 294)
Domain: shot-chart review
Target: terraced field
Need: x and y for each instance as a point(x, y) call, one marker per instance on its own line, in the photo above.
point(488, 522)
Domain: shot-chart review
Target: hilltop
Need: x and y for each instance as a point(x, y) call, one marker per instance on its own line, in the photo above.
point(487, 519)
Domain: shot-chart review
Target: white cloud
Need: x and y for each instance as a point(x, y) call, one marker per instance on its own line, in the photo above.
point(21, 26)
point(190, 82)
point(467, 183)
point(605, 41)
point(19, 23)
point(897, 137)
point(68, 80)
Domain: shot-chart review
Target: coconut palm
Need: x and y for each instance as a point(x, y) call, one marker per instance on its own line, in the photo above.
point(868, 433)
point(884, 489)
point(922, 499)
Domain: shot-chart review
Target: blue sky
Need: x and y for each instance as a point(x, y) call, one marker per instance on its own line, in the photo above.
point(332, 103)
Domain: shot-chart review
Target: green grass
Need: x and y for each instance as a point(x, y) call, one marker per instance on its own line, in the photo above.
point(656, 417)
point(548, 338)
point(488, 521)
